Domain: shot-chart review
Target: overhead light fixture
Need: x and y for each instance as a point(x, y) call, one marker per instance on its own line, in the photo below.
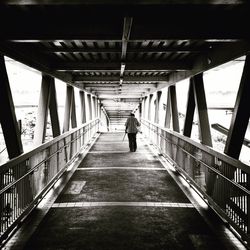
point(121, 81)
point(122, 68)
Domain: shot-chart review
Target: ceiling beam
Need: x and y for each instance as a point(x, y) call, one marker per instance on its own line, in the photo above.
point(138, 65)
point(128, 90)
point(120, 100)
point(32, 59)
point(143, 2)
point(125, 85)
point(120, 96)
point(116, 92)
point(89, 79)
point(219, 56)
point(127, 24)
point(198, 21)
point(120, 110)
point(117, 71)
point(186, 49)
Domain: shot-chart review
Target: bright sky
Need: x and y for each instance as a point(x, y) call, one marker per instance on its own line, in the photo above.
point(26, 82)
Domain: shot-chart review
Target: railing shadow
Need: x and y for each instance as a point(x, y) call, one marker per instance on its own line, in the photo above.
point(25, 179)
point(220, 179)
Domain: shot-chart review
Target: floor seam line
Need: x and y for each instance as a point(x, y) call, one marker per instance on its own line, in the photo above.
point(121, 168)
point(125, 204)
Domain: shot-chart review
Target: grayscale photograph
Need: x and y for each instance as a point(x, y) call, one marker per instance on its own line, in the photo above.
point(124, 125)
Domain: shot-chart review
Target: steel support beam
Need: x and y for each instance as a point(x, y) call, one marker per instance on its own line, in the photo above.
point(42, 112)
point(241, 114)
point(73, 110)
point(188, 123)
point(143, 105)
point(93, 107)
point(83, 106)
point(114, 65)
point(145, 108)
point(90, 106)
point(127, 24)
point(53, 108)
point(186, 49)
point(116, 79)
point(168, 111)
point(11, 132)
point(174, 109)
point(149, 106)
point(197, 97)
point(201, 104)
point(67, 109)
point(225, 21)
point(13, 142)
point(99, 108)
point(140, 109)
point(47, 101)
point(157, 106)
point(218, 56)
point(96, 107)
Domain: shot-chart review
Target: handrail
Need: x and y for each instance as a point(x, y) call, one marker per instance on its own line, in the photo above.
point(36, 166)
point(205, 148)
point(222, 180)
point(25, 179)
point(26, 155)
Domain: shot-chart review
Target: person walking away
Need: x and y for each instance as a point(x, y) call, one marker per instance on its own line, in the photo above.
point(131, 129)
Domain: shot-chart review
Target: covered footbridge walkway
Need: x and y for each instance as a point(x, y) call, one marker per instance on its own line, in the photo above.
point(111, 198)
point(80, 187)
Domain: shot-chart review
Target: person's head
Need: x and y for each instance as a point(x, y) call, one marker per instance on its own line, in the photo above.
point(132, 114)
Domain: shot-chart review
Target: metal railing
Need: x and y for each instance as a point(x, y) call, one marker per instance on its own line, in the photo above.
point(222, 180)
point(24, 180)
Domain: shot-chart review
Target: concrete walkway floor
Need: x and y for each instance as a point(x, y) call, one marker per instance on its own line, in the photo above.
point(118, 199)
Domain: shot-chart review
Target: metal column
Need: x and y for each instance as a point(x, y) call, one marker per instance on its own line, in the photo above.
point(168, 111)
point(73, 110)
point(149, 106)
point(42, 113)
point(90, 106)
point(8, 120)
point(188, 123)
point(201, 104)
point(241, 114)
point(157, 106)
point(83, 106)
point(67, 108)
point(53, 108)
